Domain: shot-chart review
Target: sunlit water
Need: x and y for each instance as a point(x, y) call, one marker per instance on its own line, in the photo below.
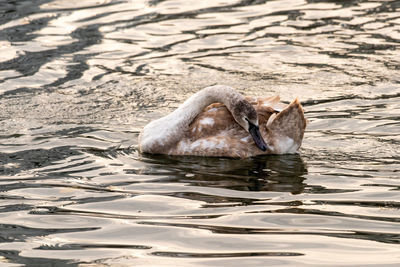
point(79, 79)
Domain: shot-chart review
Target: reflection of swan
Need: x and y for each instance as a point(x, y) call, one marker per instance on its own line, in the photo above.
point(283, 173)
point(218, 121)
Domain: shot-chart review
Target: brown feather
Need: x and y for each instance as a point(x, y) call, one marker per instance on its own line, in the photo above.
point(214, 132)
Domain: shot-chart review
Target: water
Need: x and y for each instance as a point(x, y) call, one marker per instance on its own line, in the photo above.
point(79, 79)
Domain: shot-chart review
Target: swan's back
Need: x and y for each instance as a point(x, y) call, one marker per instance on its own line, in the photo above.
point(214, 132)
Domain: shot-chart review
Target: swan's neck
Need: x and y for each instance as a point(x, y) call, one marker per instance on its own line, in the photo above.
point(167, 131)
point(194, 105)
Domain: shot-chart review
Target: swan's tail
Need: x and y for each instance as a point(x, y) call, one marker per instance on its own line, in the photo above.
point(286, 129)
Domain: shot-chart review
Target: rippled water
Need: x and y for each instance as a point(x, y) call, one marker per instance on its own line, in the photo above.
point(79, 79)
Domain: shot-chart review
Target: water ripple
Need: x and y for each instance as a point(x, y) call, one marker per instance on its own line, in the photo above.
point(78, 81)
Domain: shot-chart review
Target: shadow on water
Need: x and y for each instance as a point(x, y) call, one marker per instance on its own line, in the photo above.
point(16, 162)
point(282, 173)
point(16, 233)
point(270, 173)
point(12, 163)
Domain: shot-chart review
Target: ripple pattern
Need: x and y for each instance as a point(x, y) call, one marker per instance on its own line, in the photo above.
point(78, 80)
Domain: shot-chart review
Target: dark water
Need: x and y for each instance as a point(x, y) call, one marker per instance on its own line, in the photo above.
point(79, 79)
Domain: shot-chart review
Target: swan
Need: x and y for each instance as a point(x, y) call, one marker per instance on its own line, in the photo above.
point(218, 121)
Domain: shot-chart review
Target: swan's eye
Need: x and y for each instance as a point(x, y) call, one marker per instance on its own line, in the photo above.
point(252, 125)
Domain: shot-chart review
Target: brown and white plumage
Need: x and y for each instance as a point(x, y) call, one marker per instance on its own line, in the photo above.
point(216, 120)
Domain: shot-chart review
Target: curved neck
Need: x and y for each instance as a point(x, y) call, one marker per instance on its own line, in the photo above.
point(159, 135)
point(197, 102)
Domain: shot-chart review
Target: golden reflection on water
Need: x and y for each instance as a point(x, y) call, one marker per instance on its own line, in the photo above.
point(79, 79)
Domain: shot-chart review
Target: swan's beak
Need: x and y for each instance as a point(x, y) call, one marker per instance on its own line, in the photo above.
point(254, 130)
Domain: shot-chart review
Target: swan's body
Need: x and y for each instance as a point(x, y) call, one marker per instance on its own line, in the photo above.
point(217, 121)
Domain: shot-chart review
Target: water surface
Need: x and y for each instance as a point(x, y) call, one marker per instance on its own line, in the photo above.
point(79, 79)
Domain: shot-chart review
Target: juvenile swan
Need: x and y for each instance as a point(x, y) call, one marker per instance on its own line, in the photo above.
point(218, 121)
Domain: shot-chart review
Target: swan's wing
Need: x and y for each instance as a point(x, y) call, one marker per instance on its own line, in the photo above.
point(217, 146)
point(211, 121)
point(214, 132)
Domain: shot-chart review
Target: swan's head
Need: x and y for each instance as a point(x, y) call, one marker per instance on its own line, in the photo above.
point(245, 114)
